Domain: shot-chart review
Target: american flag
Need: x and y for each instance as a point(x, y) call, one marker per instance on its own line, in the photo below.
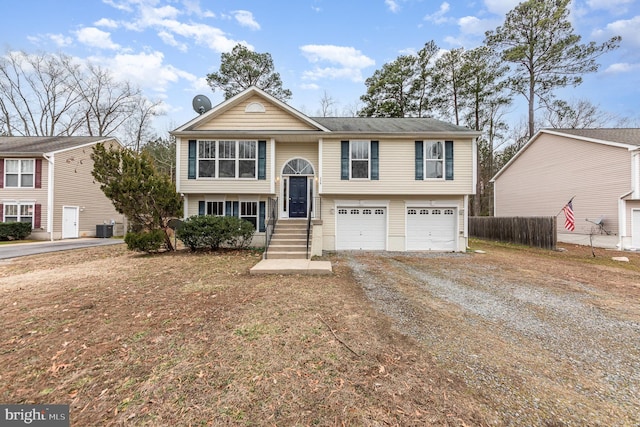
point(569, 219)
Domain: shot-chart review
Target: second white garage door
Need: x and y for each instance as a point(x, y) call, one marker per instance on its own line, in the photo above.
point(430, 229)
point(361, 228)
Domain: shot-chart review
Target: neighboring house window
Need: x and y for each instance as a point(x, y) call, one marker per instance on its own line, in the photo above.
point(19, 173)
point(359, 160)
point(227, 159)
point(434, 160)
point(249, 211)
point(19, 212)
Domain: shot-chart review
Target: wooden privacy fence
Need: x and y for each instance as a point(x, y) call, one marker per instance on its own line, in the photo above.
point(537, 231)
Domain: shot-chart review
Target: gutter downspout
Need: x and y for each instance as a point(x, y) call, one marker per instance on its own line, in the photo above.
point(51, 161)
point(622, 218)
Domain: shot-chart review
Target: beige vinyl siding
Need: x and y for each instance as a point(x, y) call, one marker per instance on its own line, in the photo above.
point(396, 216)
point(397, 171)
point(553, 169)
point(35, 195)
point(74, 186)
point(220, 186)
point(274, 118)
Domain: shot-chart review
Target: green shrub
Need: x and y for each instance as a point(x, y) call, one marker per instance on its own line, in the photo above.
point(145, 241)
point(212, 232)
point(14, 230)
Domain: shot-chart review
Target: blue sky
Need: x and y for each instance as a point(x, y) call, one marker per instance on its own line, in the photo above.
point(167, 47)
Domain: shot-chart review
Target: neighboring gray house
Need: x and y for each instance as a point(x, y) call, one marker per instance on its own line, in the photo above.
point(47, 182)
point(396, 184)
point(600, 167)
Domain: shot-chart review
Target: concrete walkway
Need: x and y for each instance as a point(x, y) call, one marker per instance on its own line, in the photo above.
point(291, 266)
point(19, 249)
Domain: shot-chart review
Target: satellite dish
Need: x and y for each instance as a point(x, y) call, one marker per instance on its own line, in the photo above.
point(201, 104)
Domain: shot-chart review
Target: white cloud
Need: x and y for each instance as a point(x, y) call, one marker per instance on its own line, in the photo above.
point(245, 19)
point(392, 5)
point(60, 40)
point(627, 28)
point(147, 70)
point(500, 7)
point(614, 6)
point(193, 8)
point(343, 55)
point(473, 25)
point(107, 23)
point(94, 37)
point(439, 16)
point(622, 67)
point(350, 60)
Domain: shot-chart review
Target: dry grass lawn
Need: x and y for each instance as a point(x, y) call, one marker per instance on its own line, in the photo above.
point(190, 339)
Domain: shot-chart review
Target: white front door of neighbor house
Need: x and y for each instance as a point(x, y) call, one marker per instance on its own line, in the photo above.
point(70, 222)
point(635, 228)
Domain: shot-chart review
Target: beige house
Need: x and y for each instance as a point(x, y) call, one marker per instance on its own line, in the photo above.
point(600, 167)
point(47, 182)
point(394, 184)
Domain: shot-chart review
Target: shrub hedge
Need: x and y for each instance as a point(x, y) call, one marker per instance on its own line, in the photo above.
point(213, 232)
point(14, 230)
point(145, 241)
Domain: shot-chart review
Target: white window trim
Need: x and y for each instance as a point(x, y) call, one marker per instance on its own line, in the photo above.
point(20, 173)
point(427, 160)
point(19, 204)
point(368, 178)
point(236, 160)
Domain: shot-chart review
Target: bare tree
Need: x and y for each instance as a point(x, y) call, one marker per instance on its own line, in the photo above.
point(577, 114)
point(326, 105)
point(36, 94)
point(51, 94)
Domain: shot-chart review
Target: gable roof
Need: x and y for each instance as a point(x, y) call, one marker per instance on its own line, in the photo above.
point(628, 138)
point(238, 98)
point(39, 145)
point(336, 125)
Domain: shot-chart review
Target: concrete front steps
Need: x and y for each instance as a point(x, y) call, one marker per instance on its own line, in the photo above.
point(289, 240)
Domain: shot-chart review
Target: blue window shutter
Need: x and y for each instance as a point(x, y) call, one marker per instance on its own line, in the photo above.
point(261, 214)
point(374, 161)
point(236, 209)
point(448, 160)
point(419, 161)
point(344, 160)
point(262, 159)
point(228, 209)
point(192, 159)
point(201, 208)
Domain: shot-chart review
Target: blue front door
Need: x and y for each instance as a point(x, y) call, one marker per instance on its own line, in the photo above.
point(297, 197)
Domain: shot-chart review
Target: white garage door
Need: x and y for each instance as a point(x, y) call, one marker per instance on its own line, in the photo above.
point(431, 229)
point(361, 228)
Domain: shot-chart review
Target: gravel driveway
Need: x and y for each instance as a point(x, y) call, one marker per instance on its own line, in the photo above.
point(541, 341)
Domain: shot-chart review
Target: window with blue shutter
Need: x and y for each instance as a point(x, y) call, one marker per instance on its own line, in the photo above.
point(374, 161)
point(262, 159)
point(191, 174)
point(448, 160)
point(344, 160)
point(261, 216)
point(419, 161)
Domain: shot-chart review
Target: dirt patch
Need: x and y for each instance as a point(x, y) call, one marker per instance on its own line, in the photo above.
point(388, 339)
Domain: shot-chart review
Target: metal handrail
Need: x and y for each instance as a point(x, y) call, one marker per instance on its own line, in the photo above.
point(308, 228)
point(271, 220)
